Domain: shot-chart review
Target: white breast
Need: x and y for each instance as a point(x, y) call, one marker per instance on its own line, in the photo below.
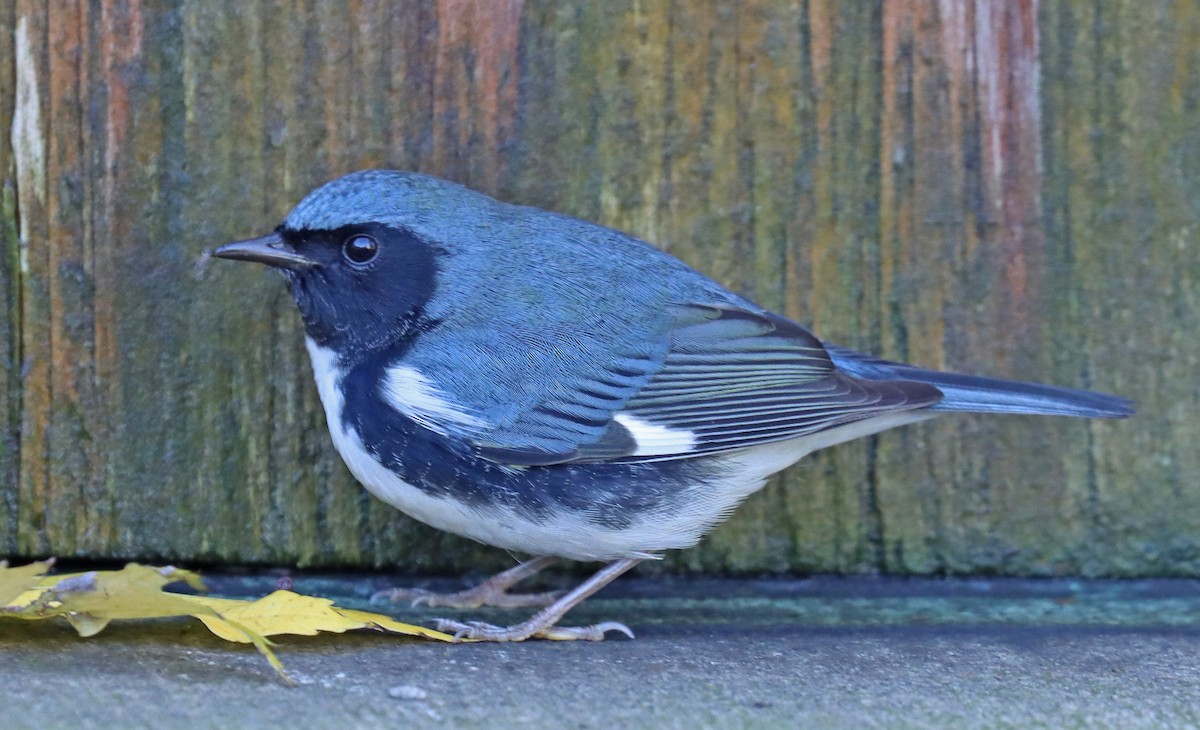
point(441, 513)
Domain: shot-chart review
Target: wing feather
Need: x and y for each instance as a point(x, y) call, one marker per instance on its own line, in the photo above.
point(730, 379)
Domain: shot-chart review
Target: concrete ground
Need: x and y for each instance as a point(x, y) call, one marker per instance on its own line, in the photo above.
point(819, 653)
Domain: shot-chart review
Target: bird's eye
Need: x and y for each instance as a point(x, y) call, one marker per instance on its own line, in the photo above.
point(360, 249)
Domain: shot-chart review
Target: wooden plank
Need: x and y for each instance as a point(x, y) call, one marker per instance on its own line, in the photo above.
point(997, 187)
point(10, 294)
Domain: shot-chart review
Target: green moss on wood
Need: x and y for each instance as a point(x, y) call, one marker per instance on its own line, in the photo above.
point(831, 160)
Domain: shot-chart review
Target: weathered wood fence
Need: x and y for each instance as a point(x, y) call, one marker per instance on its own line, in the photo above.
point(1002, 186)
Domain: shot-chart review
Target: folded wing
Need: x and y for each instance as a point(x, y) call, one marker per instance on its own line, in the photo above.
point(730, 379)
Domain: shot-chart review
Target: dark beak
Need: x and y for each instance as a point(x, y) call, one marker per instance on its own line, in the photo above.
point(270, 250)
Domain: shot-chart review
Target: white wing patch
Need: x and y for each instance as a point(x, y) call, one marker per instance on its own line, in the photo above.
point(408, 390)
point(655, 440)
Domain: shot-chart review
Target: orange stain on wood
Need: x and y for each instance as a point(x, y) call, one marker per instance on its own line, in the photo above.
point(475, 83)
point(69, 266)
point(121, 35)
point(121, 31)
point(958, 59)
point(897, 30)
point(72, 372)
point(965, 77)
point(1009, 69)
point(65, 265)
point(823, 254)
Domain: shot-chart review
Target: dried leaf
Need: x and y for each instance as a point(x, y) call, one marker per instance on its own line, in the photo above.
point(284, 612)
point(89, 601)
point(281, 612)
point(391, 625)
point(15, 581)
point(133, 592)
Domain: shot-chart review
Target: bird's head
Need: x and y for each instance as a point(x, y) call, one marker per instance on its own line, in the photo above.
point(363, 253)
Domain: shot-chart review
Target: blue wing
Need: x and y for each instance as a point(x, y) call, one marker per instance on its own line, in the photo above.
point(742, 379)
point(716, 378)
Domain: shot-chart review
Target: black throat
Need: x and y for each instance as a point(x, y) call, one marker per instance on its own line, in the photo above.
point(357, 310)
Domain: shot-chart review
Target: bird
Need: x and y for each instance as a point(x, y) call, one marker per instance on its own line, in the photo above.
point(558, 388)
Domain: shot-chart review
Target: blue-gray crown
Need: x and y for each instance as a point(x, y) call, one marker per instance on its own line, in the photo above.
point(390, 197)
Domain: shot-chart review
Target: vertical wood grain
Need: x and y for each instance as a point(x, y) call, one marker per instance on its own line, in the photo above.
point(997, 187)
point(10, 290)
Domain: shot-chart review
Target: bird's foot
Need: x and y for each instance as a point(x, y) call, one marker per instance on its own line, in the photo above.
point(480, 631)
point(484, 594)
point(491, 592)
point(542, 624)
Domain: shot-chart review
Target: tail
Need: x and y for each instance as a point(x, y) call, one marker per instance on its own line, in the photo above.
point(976, 394)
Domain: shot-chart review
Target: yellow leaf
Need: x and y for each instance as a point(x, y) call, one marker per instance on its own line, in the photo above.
point(89, 601)
point(391, 625)
point(133, 592)
point(170, 572)
point(284, 612)
point(86, 625)
point(15, 581)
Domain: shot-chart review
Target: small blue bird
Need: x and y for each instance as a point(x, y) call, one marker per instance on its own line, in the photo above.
point(550, 386)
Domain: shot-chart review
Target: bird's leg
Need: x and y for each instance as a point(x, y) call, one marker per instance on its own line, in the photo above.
point(491, 592)
point(542, 624)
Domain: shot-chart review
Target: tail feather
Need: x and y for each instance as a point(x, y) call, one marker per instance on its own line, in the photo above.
point(976, 394)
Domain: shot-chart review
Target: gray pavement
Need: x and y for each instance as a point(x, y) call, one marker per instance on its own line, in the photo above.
point(821, 653)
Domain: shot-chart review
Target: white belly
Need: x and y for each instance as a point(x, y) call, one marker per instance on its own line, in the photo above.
point(570, 534)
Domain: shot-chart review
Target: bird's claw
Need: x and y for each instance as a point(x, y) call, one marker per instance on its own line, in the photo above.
point(595, 632)
point(482, 631)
